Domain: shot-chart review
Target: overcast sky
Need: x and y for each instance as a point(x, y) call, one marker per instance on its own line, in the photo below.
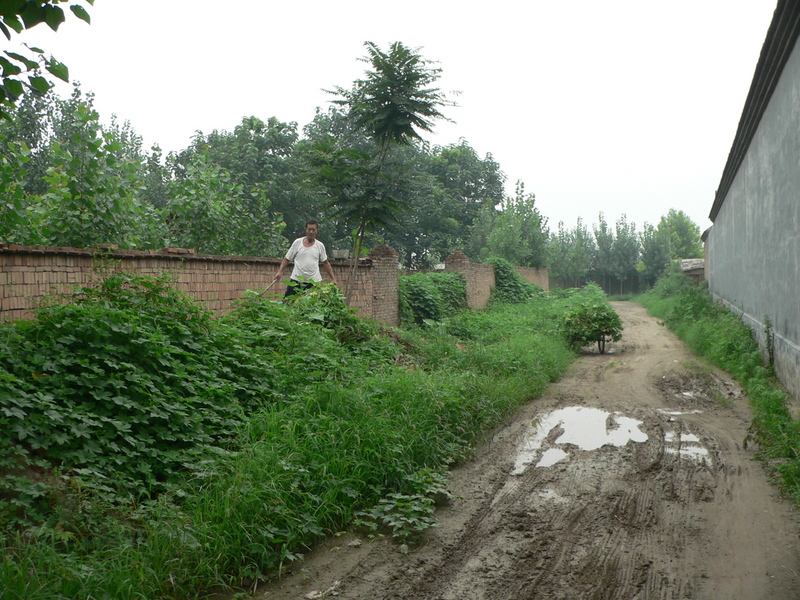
point(624, 107)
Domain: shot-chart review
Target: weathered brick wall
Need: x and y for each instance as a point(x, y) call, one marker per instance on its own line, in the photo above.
point(479, 277)
point(29, 273)
point(537, 276)
point(385, 285)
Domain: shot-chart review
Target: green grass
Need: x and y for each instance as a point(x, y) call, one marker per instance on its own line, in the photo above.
point(333, 418)
point(716, 334)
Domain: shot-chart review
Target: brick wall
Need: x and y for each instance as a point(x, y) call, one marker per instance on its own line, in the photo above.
point(479, 277)
point(535, 275)
point(385, 285)
point(29, 273)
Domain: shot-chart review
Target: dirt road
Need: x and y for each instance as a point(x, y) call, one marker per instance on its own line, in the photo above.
point(628, 480)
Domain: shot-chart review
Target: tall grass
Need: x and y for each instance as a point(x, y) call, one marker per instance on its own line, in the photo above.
point(351, 414)
point(721, 337)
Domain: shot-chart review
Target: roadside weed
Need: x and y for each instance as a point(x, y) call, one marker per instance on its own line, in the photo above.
point(719, 336)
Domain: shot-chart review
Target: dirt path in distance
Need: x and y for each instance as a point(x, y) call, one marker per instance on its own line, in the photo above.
point(628, 480)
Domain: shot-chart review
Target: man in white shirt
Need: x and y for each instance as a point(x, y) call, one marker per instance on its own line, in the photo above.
point(307, 253)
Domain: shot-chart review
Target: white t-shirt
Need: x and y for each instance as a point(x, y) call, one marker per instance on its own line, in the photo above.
point(306, 260)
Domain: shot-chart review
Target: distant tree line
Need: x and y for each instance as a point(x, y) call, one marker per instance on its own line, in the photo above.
point(618, 258)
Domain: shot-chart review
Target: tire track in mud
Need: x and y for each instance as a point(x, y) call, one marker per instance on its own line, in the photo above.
point(594, 527)
point(684, 513)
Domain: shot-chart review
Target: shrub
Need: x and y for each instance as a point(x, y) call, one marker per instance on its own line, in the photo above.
point(592, 321)
point(120, 391)
point(509, 286)
point(431, 296)
point(327, 306)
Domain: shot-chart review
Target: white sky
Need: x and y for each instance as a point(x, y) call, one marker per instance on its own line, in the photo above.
point(624, 106)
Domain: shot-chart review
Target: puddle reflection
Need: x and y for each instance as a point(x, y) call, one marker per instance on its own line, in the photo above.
point(584, 427)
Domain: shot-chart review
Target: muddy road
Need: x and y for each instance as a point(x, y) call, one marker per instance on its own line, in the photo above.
point(629, 479)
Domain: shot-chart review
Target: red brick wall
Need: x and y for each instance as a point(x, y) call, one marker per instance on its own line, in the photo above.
point(479, 277)
point(385, 300)
point(29, 273)
point(537, 276)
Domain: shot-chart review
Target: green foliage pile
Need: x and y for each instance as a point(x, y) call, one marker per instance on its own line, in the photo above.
point(592, 320)
point(118, 391)
point(428, 297)
point(509, 286)
point(717, 334)
point(159, 452)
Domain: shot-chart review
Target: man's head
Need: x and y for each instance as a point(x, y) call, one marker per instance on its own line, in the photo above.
point(312, 227)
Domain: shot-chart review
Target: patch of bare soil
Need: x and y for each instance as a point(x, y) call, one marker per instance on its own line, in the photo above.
point(629, 480)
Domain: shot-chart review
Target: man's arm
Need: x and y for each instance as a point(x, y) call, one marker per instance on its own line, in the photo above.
point(284, 262)
point(329, 270)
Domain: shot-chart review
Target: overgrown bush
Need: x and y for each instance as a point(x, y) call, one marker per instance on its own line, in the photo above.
point(592, 320)
point(428, 297)
point(325, 304)
point(119, 391)
point(509, 286)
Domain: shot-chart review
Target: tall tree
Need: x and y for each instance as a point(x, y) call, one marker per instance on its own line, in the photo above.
point(570, 254)
point(604, 257)
point(655, 253)
point(520, 232)
point(392, 105)
point(257, 155)
point(625, 251)
point(207, 209)
point(683, 233)
point(471, 182)
point(447, 189)
point(395, 101)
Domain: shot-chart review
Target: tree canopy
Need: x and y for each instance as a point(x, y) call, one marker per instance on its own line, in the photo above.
point(21, 73)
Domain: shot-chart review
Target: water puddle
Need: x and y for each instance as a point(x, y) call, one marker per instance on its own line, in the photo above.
point(677, 413)
point(583, 427)
point(686, 445)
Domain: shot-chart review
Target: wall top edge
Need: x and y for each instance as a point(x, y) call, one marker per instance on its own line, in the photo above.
point(177, 254)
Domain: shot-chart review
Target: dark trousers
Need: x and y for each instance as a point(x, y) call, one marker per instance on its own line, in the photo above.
point(295, 287)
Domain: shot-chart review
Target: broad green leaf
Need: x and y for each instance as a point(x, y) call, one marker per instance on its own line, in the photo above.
point(54, 16)
point(40, 84)
point(13, 22)
point(80, 12)
point(14, 86)
point(9, 68)
point(30, 64)
point(32, 15)
point(58, 69)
